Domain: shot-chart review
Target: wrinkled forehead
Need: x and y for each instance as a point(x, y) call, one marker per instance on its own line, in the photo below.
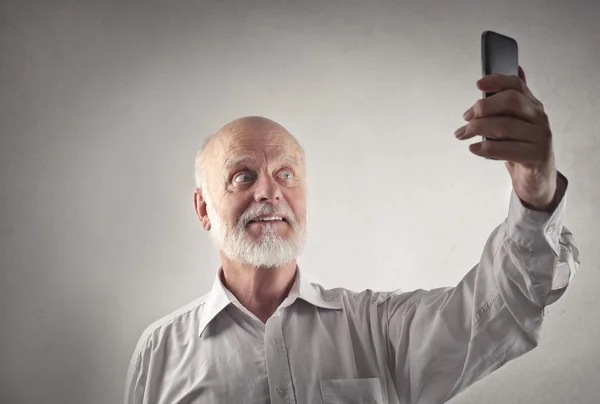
point(257, 147)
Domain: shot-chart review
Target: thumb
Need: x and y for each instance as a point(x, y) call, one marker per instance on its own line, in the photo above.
point(522, 74)
point(509, 166)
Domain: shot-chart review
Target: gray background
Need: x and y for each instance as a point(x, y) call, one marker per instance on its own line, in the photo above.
point(104, 104)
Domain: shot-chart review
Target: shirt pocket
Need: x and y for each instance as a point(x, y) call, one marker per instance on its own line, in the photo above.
point(351, 391)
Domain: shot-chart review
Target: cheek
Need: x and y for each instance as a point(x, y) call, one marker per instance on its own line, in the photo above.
point(297, 203)
point(231, 211)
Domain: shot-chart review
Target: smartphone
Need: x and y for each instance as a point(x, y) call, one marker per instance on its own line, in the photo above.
point(499, 54)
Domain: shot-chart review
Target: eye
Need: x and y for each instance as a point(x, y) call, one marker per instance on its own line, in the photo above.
point(243, 177)
point(286, 175)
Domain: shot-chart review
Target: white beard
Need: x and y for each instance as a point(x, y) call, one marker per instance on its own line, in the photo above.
point(270, 251)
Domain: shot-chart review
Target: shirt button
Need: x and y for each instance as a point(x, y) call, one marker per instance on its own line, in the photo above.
point(272, 341)
point(281, 392)
point(550, 229)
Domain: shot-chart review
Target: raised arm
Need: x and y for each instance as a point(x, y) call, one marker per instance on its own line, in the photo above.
point(443, 340)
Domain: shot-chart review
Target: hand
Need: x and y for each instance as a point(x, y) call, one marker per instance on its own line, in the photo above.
point(516, 118)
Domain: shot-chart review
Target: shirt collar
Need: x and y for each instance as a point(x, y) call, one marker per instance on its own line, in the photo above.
point(219, 297)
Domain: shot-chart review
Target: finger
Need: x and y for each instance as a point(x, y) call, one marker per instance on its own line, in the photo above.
point(522, 75)
point(494, 83)
point(504, 128)
point(508, 103)
point(516, 152)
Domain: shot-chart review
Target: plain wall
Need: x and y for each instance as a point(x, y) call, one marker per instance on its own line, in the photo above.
point(103, 105)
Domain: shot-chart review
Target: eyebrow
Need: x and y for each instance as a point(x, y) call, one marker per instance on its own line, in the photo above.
point(236, 161)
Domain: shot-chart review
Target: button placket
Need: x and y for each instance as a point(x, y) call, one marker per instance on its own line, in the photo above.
point(278, 371)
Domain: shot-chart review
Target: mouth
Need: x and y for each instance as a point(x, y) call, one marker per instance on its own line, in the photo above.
point(269, 219)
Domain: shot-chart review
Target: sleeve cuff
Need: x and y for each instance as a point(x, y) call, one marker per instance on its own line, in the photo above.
point(534, 229)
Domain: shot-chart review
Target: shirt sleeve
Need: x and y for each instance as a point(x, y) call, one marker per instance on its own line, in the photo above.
point(443, 340)
point(135, 382)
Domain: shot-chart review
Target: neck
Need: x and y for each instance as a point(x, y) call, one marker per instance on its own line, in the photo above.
point(260, 290)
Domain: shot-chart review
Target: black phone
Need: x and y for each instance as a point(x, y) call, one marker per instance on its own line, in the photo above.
point(499, 54)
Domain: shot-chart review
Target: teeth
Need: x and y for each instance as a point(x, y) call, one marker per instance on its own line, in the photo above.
point(269, 218)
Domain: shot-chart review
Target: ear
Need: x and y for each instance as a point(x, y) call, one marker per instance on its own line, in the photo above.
point(200, 208)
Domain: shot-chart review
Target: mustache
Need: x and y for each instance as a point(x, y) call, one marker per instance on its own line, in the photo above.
point(266, 209)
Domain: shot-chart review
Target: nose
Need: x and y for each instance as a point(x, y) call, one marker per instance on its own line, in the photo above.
point(267, 190)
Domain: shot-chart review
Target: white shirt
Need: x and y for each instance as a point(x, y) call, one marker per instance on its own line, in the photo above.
point(338, 346)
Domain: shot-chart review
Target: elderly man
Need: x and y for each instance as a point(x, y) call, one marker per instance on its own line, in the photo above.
point(265, 334)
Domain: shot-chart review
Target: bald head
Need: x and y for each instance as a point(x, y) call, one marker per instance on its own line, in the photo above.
point(244, 131)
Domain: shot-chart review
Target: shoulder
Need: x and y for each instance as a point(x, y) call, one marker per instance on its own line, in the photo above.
point(181, 323)
point(160, 339)
point(367, 296)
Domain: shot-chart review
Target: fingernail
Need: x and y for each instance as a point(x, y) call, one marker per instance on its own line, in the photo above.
point(460, 132)
point(468, 115)
point(475, 147)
